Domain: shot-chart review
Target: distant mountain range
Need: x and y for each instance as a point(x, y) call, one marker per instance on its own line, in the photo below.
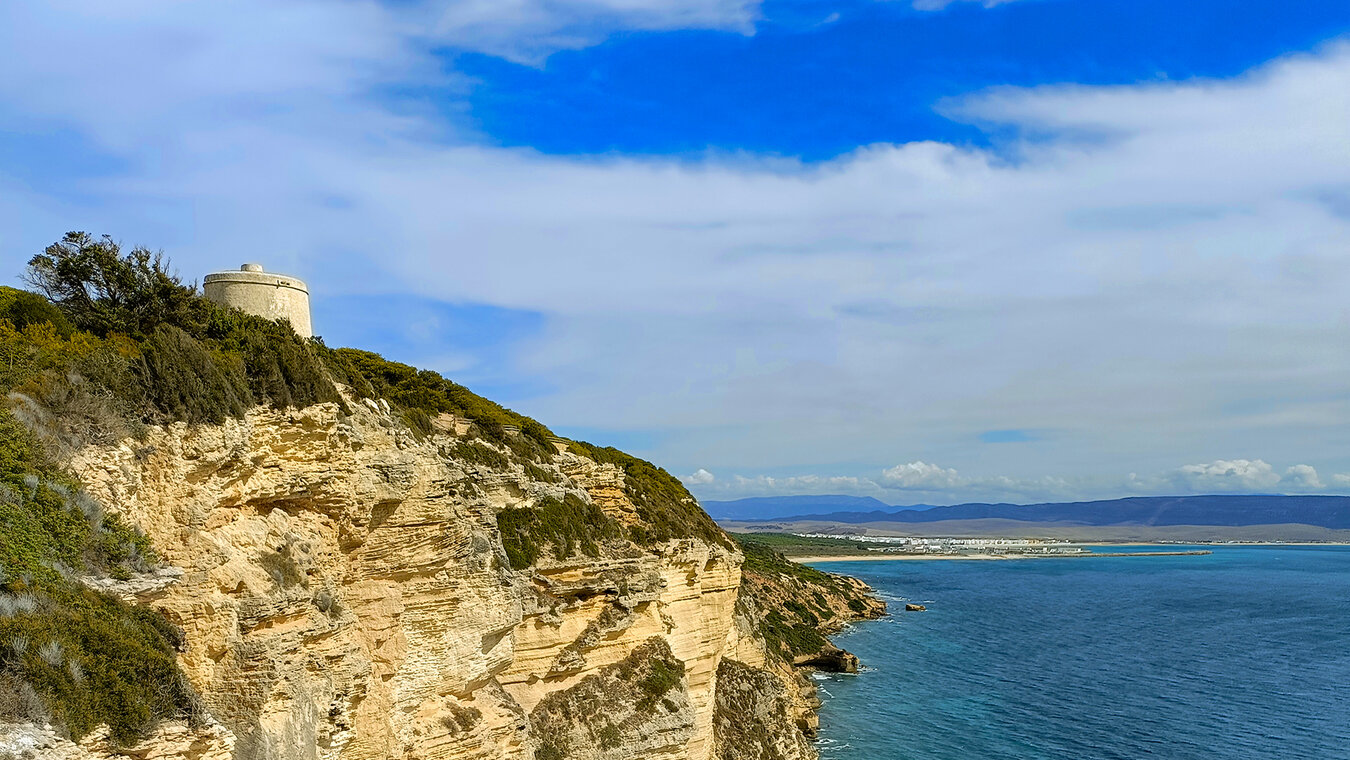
point(1239, 510)
point(771, 507)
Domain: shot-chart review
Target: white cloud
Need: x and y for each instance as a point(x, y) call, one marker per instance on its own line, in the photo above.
point(934, 484)
point(1302, 477)
point(1235, 476)
point(917, 481)
point(145, 68)
point(937, 5)
point(1227, 475)
point(921, 476)
point(765, 485)
point(530, 29)
point(1160, 272)
point(700, 477)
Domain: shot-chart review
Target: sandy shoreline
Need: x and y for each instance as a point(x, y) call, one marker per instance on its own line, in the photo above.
point(894, 557)
point(1154, 550)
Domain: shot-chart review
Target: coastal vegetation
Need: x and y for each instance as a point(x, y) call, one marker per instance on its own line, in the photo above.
point(794, 606)
point(621, 704)
point(764, 558)
point(667, 509)
point(423, 394)
point(133, 345)
point(792, 545)
point(67, 653)
point(564, 526)
point(476, 453)
point(159, 352)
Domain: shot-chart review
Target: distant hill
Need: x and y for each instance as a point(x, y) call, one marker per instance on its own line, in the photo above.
point(769, 507)
point(1238, 510)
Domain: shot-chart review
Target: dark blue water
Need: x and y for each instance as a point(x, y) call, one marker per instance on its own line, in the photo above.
point(1244, 653)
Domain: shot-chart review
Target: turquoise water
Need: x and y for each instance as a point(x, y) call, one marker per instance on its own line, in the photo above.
point(1244, 653)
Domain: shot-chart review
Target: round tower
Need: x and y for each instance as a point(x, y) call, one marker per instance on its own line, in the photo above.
point(267, 295)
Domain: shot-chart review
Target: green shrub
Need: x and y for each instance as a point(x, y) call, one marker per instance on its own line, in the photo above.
point(788, 638)
point(93, 659)
point(21, 308)
point(284, 570)
point(608, 737)
point(563, 526)
point(46, 520)
point(418, 421)
point(372, 376)
point(105, 291)
point(89, 657)
point(279, 367)
point(28, 352)
point(541, 475)
point(185, 381)
point(662, 676)
point(666, 508)
point(477, 453)
point(239, 361)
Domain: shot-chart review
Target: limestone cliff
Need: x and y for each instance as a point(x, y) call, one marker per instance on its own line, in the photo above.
point(344, 591)
point(344, 557)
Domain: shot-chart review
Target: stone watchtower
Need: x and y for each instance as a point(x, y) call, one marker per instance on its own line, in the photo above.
point(267, 295)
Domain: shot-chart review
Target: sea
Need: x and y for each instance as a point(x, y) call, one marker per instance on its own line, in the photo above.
point(1242, 653)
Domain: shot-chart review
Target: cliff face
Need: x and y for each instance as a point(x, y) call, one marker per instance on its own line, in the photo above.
point(348, 557)
point(344, 593)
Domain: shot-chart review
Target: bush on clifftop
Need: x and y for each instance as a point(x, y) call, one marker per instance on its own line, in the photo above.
point(21, 308)
point(148, 342)
point(667, 509)
point(427, 394)
point(104, 291)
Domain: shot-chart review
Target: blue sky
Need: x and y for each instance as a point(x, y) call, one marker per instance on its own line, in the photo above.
point(817, 79)
point(926, 251)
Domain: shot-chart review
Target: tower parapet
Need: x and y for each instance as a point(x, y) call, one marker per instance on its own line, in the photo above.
point(264, 294)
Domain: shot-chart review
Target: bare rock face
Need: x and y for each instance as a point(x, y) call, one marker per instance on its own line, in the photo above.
point(753, 705)
point(637, 707)
point(170, 741)
point(344, 594)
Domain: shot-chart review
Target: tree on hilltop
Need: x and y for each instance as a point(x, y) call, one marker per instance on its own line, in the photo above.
point(105, 291)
